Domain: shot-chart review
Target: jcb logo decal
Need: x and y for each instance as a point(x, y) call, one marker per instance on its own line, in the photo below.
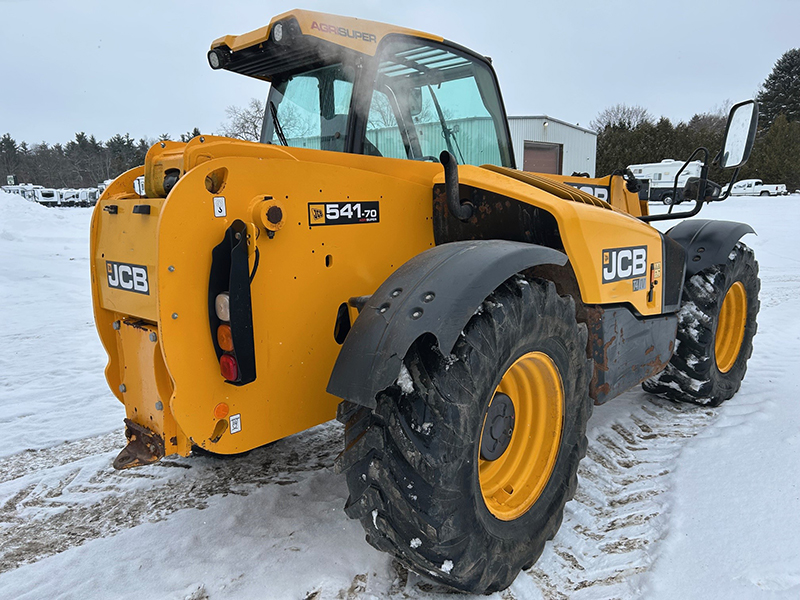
point(316, 214)
point(598, 191)
point(132, 278)
point(624, 263)
point(343, 213)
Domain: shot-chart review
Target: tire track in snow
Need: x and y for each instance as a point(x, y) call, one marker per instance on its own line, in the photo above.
point(54, 499)
point(611, 529)
point(619, 512)
point(65, 496)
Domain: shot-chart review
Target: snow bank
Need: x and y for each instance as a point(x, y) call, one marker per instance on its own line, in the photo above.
point(674, 501)
point(51, 384)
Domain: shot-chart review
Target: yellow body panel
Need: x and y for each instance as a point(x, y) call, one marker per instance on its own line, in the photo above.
point(305, 273)
point(357, 34)
point(586, 232)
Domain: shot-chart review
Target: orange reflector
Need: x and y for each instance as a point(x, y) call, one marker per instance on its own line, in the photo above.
point(224, 338)
point(228, 367)
point(221, 410)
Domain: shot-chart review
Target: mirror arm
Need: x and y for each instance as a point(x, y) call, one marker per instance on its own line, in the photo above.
point(702, 190)
point(730, 185)
point(678, 175)
point(667, 216)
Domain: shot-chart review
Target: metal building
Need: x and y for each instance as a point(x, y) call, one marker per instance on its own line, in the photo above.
point(546, 145)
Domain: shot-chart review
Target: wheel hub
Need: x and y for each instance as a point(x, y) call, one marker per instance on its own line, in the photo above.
point(498, 428)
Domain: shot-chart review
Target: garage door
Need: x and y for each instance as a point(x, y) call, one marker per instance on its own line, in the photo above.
point(542, 157)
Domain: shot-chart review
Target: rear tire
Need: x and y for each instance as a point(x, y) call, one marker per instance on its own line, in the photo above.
point(716, 325)
point(414, 465)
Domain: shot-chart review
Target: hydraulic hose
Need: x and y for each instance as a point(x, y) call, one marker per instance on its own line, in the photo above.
point(458, 210)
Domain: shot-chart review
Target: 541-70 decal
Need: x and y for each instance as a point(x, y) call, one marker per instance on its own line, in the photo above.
point(343, 213)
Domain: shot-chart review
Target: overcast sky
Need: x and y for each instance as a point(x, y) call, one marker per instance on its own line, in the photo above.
point(114, 66)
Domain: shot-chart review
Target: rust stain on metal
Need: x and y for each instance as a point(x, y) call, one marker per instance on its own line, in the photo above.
point(144, 447)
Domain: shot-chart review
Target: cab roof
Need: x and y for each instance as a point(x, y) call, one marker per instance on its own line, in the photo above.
point(359, 35)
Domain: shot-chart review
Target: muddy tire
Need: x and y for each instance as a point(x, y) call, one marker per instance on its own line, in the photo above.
point(416, 470)
point(716, 325)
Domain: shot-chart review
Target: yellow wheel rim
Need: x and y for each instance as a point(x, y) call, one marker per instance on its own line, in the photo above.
point(730, 327)
point(511, 484)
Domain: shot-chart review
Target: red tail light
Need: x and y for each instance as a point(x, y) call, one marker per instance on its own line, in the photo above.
point(228, 367)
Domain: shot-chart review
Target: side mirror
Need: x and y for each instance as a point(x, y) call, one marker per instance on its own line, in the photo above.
point(740, 135)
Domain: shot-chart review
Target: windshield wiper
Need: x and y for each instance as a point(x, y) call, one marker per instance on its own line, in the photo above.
point(278, 129)
point(449, 136)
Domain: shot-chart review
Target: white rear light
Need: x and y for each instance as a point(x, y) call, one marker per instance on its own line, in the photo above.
point(222, 305)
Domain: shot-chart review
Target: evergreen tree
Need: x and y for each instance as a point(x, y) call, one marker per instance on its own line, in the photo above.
point(9, 157)
point(780, 92)
point(190, 135)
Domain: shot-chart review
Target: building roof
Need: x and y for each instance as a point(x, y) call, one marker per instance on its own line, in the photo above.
point(548, 118)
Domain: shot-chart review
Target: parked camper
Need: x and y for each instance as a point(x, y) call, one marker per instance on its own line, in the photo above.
point(26, 190)
point(661, 176)
point(47, 196)
point(755, 187)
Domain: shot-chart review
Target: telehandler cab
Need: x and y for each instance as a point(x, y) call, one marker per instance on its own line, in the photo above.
point(378, 251)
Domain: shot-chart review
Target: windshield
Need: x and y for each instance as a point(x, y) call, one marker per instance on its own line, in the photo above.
point(422, 98)
point(429, 98)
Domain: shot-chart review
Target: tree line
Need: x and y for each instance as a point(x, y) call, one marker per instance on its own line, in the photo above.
point(82, 162)
point(626, 135)
point(630, 135)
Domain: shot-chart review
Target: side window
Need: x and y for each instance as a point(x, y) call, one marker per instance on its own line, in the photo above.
point(311, 109)
point(297, 111)
point(383, 133)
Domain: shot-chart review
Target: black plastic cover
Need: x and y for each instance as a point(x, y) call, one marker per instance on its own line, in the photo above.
point(707, 242)
point(230, 272)
point(435, 292)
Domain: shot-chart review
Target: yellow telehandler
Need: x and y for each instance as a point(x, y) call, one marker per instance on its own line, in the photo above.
point(379, 252)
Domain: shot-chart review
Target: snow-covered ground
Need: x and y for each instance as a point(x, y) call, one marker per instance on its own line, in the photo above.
point(674, 501)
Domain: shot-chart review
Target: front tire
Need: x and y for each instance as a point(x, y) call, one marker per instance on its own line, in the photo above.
point(716, 325)
point(424, 475)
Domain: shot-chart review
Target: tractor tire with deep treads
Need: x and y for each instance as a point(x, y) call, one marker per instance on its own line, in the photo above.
point(716, 325)
point(414, 464)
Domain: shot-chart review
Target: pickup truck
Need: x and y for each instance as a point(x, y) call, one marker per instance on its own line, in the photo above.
point(755, 187)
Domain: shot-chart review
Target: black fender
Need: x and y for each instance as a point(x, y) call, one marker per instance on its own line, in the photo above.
point(707, 242)
point(435, 292)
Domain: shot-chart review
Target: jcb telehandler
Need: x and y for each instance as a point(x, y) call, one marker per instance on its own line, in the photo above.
point(378, 251)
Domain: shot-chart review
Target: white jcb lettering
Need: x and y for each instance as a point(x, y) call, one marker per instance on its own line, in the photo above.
point(639, 261)
point(125, 277)
point(140, 280)
point(624, 263)
point(113, 276)
point(610, 268)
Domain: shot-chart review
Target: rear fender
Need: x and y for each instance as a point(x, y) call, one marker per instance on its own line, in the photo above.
point(435, 292)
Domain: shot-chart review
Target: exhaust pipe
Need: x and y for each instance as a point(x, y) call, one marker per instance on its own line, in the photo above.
point(458, 210)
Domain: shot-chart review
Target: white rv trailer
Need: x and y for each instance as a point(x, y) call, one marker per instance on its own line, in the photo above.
point(662, 178)
point(26, 190)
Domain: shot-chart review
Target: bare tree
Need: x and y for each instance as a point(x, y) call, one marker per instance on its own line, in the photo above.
point(621, 115)
point(244, 123)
